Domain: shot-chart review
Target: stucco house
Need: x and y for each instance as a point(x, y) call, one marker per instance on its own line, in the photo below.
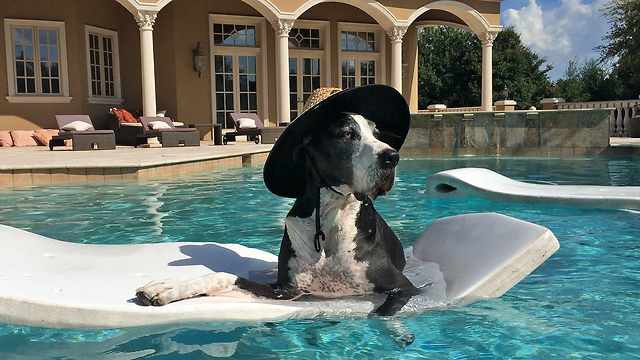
point(262, 56)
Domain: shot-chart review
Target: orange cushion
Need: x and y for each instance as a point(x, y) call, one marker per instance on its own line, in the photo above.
point(43, 136)
point(23, 138)
point(5, 139)
point(125, 116)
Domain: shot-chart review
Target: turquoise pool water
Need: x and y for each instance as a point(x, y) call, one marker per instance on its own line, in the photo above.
point(581, 303)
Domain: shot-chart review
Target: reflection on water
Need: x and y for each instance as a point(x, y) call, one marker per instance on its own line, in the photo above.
point(215, 340)
point(153, 203)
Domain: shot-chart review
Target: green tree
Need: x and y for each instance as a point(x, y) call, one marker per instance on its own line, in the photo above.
point(570, 86)
point(587, 82)
point(519, 68)
point(600, 83)
point(623, 44)
point(450, 63)
point(449, 67)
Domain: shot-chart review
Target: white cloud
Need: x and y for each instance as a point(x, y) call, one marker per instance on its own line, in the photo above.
point(569, 31)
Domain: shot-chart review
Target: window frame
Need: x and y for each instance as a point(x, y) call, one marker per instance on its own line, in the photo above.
point(14, 96)
point(379, 55)
point(101, 99)
point(259, 50)
point(325, 45)
point(324, 53)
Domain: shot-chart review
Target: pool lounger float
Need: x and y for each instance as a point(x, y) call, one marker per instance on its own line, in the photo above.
point(489, 185)
point(56, 284)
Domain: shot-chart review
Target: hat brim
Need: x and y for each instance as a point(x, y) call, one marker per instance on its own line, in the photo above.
point(382, 104)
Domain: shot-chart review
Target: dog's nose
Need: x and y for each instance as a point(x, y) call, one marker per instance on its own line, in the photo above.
point(388, 158)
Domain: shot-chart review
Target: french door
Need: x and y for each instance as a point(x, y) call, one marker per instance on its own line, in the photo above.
point(358, 71)
point(236, 84)
point(305, 76)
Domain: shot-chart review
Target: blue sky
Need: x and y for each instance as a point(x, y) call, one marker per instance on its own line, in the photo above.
point(559, 30)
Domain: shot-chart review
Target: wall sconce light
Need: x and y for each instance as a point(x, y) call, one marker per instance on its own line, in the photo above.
point(505, 92)
point(199, 60)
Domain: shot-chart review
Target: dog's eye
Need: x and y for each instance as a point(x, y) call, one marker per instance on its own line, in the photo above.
point(348, 135)
point(376, 133)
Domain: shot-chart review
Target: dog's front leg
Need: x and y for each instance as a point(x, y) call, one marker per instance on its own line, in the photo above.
point(162, 292)
point(395, 329)
point(396, 299)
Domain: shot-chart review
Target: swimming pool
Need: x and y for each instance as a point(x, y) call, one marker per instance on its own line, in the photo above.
point(581, 303)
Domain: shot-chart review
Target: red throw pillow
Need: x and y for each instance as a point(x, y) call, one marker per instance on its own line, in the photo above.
point(124, 115)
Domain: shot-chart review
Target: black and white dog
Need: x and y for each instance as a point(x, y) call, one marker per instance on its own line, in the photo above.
point(335, 244)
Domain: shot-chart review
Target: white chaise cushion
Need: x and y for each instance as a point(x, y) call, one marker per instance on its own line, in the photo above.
point(77, 126)
point(159, 125)
point(246, 123)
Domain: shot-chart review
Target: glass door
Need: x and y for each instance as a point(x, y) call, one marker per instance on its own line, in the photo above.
point(358, 71)
point(236, 88)
point(304, 77)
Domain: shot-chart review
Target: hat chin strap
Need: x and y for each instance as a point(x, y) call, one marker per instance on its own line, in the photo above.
point(320, 236)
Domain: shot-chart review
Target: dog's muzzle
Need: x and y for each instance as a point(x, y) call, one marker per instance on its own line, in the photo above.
point(387, 160)
point(386, 183)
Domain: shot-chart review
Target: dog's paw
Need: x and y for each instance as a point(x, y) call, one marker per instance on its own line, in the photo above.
point(158, 293)
point(405, 339)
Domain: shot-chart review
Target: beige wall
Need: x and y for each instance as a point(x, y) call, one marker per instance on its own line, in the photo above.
point(288, 6)
point(75, 14)
point(182, 23)
point(188, 98)
point(178, 28)
point(440, 15)
point(403, 9)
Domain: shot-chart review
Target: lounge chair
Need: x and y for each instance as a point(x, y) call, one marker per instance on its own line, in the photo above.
point(166, 132)
point(255, 130)
point(124, 126)
point(84, 136)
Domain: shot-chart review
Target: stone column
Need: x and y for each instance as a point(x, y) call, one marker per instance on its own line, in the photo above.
point(486, 38)
point(396, 34)
point(146, 20)
point(282, 28)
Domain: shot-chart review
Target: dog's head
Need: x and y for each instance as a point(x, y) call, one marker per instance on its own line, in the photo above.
point(349, 153)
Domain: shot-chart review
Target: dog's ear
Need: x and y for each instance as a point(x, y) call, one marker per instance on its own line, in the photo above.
point(298, 152)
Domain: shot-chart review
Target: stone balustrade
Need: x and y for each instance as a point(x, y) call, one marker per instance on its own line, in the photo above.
point(621, 112)
point(444, 108)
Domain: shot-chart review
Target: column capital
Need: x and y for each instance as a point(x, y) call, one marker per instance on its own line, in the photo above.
point(146, 19)
point(396, 33)
point(486, 38)
point(282, 27)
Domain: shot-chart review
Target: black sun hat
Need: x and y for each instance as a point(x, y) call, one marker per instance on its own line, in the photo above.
point(382, 104)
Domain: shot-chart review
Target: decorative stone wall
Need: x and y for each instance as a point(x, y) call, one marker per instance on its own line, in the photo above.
point(532, 133)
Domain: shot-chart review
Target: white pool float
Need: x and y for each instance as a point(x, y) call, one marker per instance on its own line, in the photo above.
point(56, 284)
point(489, 185)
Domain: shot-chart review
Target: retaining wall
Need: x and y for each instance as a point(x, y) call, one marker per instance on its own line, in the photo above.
point(531, 133)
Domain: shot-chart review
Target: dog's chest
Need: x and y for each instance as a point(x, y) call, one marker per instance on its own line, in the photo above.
point(334, 271)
